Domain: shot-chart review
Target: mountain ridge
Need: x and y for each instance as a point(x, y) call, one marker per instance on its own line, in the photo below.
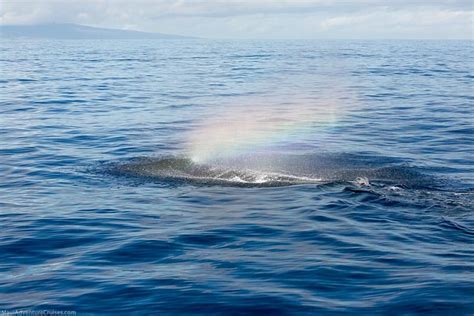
point(77, 31)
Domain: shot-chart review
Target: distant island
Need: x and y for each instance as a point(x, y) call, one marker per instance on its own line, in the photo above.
point(76, 31)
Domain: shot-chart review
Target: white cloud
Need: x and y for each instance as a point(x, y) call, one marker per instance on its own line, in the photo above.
point(344, 20)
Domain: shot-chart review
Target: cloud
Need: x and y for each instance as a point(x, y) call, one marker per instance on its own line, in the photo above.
point(258, 19)
point(388, 18)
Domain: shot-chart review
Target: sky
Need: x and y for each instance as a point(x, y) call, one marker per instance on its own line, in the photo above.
point(259, 19)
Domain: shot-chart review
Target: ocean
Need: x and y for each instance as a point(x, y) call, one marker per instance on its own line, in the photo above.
point(215, 177)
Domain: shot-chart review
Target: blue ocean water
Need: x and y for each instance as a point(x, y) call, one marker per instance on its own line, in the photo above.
point(369, 210)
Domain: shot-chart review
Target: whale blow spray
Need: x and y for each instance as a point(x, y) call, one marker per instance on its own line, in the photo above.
point(250, 125)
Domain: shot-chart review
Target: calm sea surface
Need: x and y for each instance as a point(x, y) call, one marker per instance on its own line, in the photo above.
point(237, 177)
